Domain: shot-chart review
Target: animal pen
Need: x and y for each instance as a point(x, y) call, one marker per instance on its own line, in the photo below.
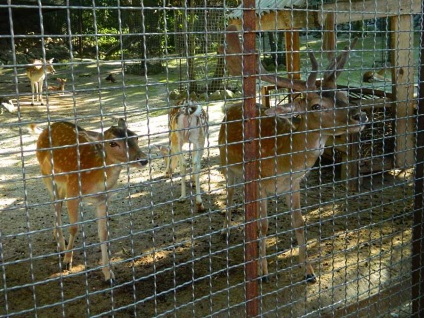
point(143, 119)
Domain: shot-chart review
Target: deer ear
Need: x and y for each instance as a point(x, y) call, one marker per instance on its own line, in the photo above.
point(122, 123)
point(90, 136)
point(164, 150)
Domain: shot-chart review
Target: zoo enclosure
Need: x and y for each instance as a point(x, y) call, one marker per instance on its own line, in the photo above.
point(161, 262)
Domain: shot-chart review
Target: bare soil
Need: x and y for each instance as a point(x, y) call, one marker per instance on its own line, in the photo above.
point(170, 260)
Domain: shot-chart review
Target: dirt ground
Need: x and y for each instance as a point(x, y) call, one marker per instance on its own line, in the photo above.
point(171, 261)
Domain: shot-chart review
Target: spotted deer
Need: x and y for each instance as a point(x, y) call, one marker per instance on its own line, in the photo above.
point(80, 165)
point(36, 74)
point(187, 124)
point(286, 151)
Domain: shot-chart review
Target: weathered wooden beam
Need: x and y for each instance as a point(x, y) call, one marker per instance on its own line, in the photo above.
point(368, 9)
point(288, 19)
point(403, 64)
point(282, 20)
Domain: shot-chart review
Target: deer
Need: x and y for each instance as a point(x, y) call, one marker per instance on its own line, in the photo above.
point(376, 76)
point(287, 151)
point(110, 78)
point(187, 124)
point(61, 87)
point(80, 165)
point(36, 74)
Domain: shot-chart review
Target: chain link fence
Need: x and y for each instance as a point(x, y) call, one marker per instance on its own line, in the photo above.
point(209, 159)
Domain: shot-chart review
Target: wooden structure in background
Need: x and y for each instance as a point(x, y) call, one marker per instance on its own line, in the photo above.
point(269, 18)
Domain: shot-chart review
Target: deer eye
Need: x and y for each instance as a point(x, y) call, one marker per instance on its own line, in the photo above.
point(316, 107)
point(113, 144)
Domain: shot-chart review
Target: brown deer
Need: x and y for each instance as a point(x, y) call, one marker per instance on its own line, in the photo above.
point(61, 87)
point(110, 78)
point(80, 165)
point(376, 76)
point(286, 151)
point(187, 124)
point(36, 74)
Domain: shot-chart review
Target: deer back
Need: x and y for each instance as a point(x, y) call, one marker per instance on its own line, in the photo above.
point(68, 151)
point(279, 140)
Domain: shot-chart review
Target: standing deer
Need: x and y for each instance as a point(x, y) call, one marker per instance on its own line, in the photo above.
point(187, 124)
point(36, 74)
point(286, 152)
point(83, 165)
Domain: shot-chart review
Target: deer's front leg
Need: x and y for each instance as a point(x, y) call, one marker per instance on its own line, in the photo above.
point(73, 206)
point(32, 92)
point(293, 202)
point(103, 237)
point(263, 232)
point(198, 153)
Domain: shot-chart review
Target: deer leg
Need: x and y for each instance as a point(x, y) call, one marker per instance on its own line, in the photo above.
point(40, 88)
point(263, 232)
point(57, 226)
point(168, 160)
point(57, 231)
point(103, 236)
point(230, 195)
point(73, 206)
point(198, 153)
point(37, 90)
point(32, 93)
point(298, 223)
point(182, 162)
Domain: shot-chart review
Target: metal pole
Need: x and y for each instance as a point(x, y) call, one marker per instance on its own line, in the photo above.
point(418, 229)
point(250, 158)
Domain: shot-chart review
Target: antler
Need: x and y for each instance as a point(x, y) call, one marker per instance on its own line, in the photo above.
point(233, 56)
point(336, 65)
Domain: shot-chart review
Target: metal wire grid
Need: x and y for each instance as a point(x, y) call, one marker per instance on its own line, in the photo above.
point(169, 259)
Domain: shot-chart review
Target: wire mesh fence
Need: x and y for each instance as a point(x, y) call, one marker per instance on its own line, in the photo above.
point(209, 159)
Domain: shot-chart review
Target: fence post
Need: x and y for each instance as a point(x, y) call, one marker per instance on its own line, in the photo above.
point(418, 227)
point(250, 156)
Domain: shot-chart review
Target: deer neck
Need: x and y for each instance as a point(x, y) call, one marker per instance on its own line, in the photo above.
point(308, 143)
point(112, 169)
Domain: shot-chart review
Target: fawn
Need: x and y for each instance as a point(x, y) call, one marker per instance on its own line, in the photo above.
point(83, 165)
point(286, 151)
point(187, 124)
point(61, 87)
point(36, 74)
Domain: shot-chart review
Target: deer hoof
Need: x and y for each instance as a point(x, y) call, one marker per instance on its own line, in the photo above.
point(67, 266)
point(225, 235)
point(200, 208)
point(310, 278)
point(110, 281)
point(181, 199)
point(265, 279)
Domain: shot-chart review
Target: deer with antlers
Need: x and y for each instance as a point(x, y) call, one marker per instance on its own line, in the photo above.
point(187, 124)
point(36, 74)
point(80, 165)
point(286, 151)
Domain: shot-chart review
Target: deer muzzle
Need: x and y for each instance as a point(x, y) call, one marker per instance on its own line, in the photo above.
point(359, 119)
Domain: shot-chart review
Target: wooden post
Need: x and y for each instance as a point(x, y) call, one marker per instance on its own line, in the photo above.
point(402, 59)
point(251, 154)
